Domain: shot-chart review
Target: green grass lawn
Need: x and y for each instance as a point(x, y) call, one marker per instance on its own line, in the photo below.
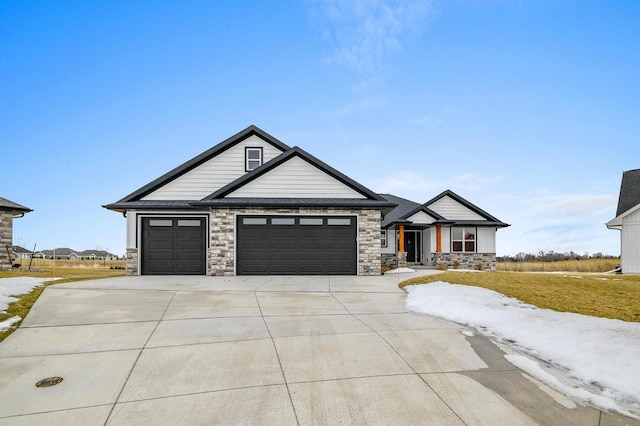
point(607, 296)
point(24, 303)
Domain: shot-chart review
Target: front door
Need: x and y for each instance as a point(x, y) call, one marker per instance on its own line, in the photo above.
point(412, 246)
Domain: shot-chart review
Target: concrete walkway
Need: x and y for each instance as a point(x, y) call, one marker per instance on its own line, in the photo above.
point(260, 350)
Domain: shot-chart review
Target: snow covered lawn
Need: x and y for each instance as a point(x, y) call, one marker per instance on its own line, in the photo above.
point(593, 360)
point(12, 287)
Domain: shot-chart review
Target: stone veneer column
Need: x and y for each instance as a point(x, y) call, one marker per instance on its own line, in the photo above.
point(222, 244)
point(132, 261)
point(370, 259)
point(6, 239)
point(402, 259)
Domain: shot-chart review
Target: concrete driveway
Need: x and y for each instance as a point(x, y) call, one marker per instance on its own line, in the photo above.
point(260, 350)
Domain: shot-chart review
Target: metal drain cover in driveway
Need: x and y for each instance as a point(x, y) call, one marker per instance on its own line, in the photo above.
point(48, 382)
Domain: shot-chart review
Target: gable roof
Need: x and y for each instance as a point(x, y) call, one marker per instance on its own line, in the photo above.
point(629, 191)
point(200, 159)
point(20, 250)
point(467, 204)
point(406, 208)
point(10, 206)
point(283, 158)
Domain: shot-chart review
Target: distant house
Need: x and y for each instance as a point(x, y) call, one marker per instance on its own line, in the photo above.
point(64, 253)
point(627, 221)
point(8, 210)
point(21, 253)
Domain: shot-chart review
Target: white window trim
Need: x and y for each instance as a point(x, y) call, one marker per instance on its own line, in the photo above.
point(384, 242)
point(475, 239)
point(246, 157)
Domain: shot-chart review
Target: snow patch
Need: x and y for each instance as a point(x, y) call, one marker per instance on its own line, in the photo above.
point(598, 354)
point(400, 271)
point(15, 286)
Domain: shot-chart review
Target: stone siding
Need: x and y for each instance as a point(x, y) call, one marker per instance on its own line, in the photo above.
point(473, 261)
point(6, 239)
point(222, 244)
point(132, 261)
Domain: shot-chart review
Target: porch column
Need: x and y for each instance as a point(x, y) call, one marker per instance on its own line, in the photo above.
point(438, 238)
point(401, 242)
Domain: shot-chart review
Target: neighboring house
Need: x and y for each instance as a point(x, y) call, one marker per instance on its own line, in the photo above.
point(627, 221)
point(446, 231)
point(21, 252)
point(8, 210)
point(253, 205)
point(59, 253)
point(64, 253)
point(97, 255)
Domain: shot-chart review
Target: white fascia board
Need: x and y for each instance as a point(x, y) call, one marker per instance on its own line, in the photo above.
point(616, 222)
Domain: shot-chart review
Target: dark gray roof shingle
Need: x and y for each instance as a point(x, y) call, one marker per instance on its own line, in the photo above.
point(404, 207)
point(629, 191)
point(7, 205)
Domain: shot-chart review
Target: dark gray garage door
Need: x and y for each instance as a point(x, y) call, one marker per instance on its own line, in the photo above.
point(282, 245)
point(173, 246)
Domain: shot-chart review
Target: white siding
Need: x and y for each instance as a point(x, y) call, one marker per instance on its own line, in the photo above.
point(453, 210)
point(214, 174)
point(421, 217)
point(426, 245)
point(446, 240)
point(295, 178)
point(391, 242)
point(486, 240)
point(630, 247)
point(132, 221)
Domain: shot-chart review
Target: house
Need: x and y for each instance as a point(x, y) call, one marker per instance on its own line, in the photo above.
point(64, 253)
point(21, 253)
point(446, 231)
point(58, 253)
point(8, 210)
point(627, 221)
point(253, 205)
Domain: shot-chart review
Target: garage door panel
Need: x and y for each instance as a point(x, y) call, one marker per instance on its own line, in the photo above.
point(173, 246)
point(296, 249)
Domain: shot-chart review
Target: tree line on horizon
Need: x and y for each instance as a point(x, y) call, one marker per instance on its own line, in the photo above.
point(552, 256)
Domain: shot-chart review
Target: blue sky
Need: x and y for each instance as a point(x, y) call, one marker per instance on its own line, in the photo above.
point(528, 109)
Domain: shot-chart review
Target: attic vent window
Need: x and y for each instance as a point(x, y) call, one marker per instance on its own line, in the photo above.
point(252, 158)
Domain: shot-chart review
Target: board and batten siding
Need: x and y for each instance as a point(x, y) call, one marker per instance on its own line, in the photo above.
point(446, 240)
point(212, 175)
point(630, 243)
point(453, 210)
point(421, 217)
point(486, 240)
point(295, 178)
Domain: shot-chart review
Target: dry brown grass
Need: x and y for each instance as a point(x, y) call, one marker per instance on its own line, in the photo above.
point(67, 274)
point(586, 265)
point(607, 296)
point(64, 263)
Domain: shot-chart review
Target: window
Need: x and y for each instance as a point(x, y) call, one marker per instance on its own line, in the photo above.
point(383, 238)
point(283, 221)
point(160, 222)
point(311, 221)
point(252, 158)
point(254, 221)
point(463, 240)
point(338, 221)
